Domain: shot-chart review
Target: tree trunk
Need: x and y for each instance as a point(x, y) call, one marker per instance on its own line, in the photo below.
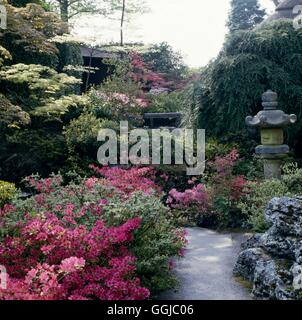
point(64, 6)
point(89, 71)
point(122, 22)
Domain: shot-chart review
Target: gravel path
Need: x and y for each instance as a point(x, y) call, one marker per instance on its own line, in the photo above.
point(205, 272)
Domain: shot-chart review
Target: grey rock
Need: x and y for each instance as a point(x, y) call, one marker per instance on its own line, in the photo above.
point(252, 242)
point(298, 252)
point(157, 91)
point(277, 245)
point(273, 261)
point(297, 276)
point(285, 216)
point(265, 280)
point(272, 281)
point(247, 262)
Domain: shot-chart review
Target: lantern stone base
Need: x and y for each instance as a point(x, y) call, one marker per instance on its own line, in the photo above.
point(272, 156)
point(272, 168)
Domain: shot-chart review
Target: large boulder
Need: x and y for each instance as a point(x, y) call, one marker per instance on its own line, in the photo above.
point(247, 261)
point(285, 216)
point(273, 280)
point(279, 246)
point(273, 261)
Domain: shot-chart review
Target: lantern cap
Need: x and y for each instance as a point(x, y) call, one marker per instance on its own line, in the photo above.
point(270, 116)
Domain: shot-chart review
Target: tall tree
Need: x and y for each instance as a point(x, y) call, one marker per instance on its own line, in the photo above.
point(71, 8)
point(245, 15)
point(126, 10)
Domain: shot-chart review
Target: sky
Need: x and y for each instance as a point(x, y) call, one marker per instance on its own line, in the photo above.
point(196, 28)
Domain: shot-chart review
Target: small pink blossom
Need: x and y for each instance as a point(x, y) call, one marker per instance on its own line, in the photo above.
point(72, 264)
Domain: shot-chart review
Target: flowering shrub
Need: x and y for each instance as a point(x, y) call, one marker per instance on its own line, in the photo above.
point(143, 74)
point(216, 203)
point(54, 258)
point(129, 181)
point(226, 189)
point(95, 239)
point(118, 106)
point(192, 202)
point(181, 200)
point(123, 95)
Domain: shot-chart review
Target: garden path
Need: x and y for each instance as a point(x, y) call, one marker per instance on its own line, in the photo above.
point(205, 272)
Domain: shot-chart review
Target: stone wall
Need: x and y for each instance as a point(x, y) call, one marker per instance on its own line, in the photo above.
point(273, 261)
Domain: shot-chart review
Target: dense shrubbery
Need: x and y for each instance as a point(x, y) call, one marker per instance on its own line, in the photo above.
point(43, 119)
point(230, 87)
point(213, 201)
point(258, 193)
point(7, 192)
point(163, 60)
point(166, 102)
point(90, 239)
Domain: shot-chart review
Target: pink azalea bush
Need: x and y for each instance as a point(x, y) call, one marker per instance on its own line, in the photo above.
point(100, 238)
point(192, 197)
point(216, 200)
point(131, 180)
point(52, 258)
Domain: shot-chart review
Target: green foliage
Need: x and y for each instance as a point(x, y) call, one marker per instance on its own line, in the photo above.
point(230, 88)
point(164, 102)
point(7, 192)
point(214, 148)
point(81, 135)
point(81, 139)
point(31, 86)
point(164, 60)
point(4, 55)
point(11, 115)
point(258, 194)
point(69, 55)
point(56, 108)
point(292, 178)
point(155, 241)
point(245, 14)
point(34, 93)
point(28, 32)
point(27, 151)
point(119, 80)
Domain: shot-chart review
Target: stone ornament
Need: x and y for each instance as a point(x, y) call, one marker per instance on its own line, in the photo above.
point(271, 122)
point(270, 117)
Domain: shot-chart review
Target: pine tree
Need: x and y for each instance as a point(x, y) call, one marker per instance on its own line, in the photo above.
point(245, 15)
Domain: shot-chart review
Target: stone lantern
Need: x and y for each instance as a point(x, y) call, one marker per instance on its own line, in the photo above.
point(271, 122)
